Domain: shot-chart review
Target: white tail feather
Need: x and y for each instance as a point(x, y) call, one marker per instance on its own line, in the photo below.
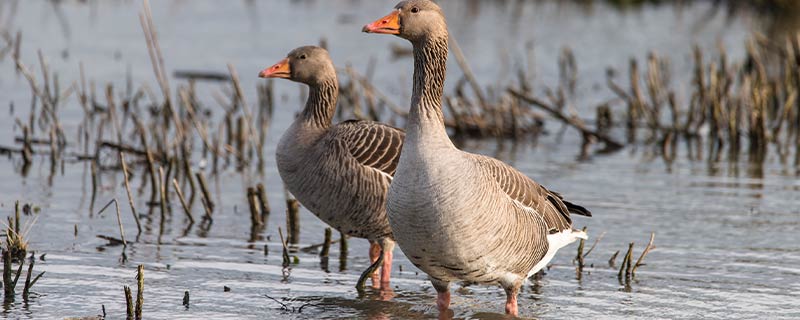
point(557, 241)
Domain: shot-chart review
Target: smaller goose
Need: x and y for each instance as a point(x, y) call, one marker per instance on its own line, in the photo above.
point(458, 215)
point(341, 172)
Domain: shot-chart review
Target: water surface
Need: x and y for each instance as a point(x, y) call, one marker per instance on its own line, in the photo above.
point(726, 233)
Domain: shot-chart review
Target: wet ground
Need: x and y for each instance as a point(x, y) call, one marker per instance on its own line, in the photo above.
point(726, 232)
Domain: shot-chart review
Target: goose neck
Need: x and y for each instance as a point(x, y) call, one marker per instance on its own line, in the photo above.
point(426, 120)
point(321, 103)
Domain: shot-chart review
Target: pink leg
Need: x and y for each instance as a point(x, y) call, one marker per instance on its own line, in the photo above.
point(511, 302)
point(443, 301)
point(386, 269)
point(442, 297)
point(387, 246)
point(374, 253)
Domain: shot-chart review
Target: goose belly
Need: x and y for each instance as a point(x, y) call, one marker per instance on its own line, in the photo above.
point(351, 200)
point(451, 226)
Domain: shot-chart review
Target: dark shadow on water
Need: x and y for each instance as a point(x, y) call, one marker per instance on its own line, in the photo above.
point(372, 306)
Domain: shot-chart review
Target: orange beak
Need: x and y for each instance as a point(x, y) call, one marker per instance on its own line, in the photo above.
point(279, 70)
point(390, 24)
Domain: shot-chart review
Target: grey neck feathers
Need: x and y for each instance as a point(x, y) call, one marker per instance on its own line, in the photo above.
point(430, 67)
point(321, 103)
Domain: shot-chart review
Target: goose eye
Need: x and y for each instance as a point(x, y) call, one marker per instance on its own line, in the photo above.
point(302, 57)
point(414, 10)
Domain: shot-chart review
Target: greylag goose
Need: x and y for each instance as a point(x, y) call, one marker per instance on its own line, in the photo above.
point(458, 215)
point(341, 172)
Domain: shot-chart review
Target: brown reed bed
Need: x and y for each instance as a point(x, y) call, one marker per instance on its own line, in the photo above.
point(732, 108)
point(10, 282)
point(750, 107)
point(15, 250)
point(626, 272)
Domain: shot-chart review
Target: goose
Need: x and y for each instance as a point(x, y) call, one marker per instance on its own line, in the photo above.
point(341, 173)
point(454, 214)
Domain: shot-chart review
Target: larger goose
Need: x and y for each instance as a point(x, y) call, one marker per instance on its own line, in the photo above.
point(458, 215)
point(341, 172)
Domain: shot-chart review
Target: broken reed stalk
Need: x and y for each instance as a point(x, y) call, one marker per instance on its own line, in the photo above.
point(139, 291)
point(17, 44)
point(188, 174)
point(165, 181)
point(28, 282)
point(150, 164)
point(94, 184)
point(112, 114)
point(26, 290)
point(119, 219)
point(621, 272)
point(639, 262)
point(162, 192)
point(636, 104)
point(613, 260)
point(128, 191)
point(343, 247)
point(128, 303)
point(8, 288)
point(27, 151)
point(201, 180)
point(16, 218)
point(241, 139)
point(255, 208)
point(16, 279)
point(262, 199)
point(35, 279)
point(293, 220)
point(579, 256)
point(184, 205)
point(342, 251)
point(285, 254)
point(326, 247)
point(629, 264)
point(625, 267)
point(154, 50)
point(206, 209)
point(240, 95)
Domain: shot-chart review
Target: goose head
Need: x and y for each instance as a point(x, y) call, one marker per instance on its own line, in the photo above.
point(310, 65)
point(413, 20)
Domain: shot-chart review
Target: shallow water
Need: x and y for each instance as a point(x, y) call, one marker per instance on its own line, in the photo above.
point(726, 233)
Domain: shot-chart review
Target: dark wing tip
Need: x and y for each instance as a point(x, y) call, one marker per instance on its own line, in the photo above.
point(576, 209)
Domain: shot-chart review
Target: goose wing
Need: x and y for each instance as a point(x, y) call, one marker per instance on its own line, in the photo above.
point(550, 205)
point(372, 144)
